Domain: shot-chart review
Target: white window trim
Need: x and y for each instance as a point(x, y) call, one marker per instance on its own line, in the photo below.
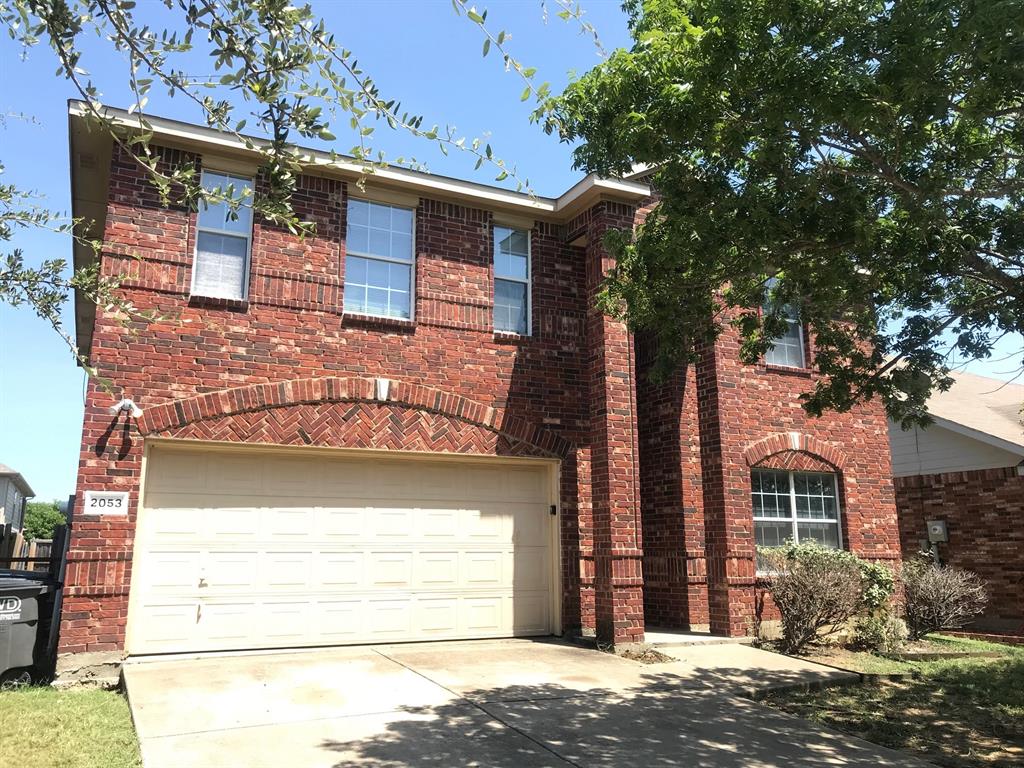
point(227, 233)
point(411, 261)
point(528, 281)
point(838, 520)
point(803, 348)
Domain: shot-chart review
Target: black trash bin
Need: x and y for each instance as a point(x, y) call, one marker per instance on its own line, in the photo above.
point(20, 601)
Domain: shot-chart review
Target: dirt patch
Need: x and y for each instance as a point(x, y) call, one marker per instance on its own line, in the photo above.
point(646, 656)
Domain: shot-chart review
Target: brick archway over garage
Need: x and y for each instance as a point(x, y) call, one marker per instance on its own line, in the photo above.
point(252, 404)
point(782, 444)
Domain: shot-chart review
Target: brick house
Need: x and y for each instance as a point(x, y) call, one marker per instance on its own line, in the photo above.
point(967, 470)
point(417, 425)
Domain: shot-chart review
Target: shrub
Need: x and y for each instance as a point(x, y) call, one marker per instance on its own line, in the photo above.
point(883, 632)
point(879, 585)
point(939, 597)
point(41, 518)
point(817, 591)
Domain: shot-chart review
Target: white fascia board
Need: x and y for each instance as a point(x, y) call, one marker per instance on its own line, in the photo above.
point(486, 196)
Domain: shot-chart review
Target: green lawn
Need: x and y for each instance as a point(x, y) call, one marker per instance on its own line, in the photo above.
point(50, 728)
point(959, 713)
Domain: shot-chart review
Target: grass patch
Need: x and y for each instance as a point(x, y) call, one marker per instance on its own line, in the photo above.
point(51, 728)
point(961, 713)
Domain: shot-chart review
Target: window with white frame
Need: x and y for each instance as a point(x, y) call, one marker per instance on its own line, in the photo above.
point(795, 506)
point(223, 239)
point(512, 280)
point(379, 259)
point(788, 349)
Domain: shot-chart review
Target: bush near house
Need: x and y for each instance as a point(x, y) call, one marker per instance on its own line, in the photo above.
point(939, 597)
point(41, 518)
point(818, 590)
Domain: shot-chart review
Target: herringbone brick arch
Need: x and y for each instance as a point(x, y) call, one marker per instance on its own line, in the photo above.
point(348, 412)
point(788, 444)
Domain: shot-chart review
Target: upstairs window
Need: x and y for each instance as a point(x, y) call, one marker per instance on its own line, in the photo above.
point(788, 349)
point(379, 260)
point(223, 239)
point(512, 280)
point(795, 506)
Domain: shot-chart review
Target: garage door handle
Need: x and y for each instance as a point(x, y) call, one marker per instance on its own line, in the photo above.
point(202, 581)
point(199, 612)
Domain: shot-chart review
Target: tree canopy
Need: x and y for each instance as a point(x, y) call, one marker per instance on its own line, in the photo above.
point(857, 159)
point(281, 75)
point(41, 519)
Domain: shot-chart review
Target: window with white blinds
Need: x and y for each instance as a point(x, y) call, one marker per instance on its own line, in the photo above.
point(223, 239)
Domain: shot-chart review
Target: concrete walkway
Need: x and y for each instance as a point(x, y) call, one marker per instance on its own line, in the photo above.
point(503, 703)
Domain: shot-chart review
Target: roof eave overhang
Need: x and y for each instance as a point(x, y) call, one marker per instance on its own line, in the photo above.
point(587, 191)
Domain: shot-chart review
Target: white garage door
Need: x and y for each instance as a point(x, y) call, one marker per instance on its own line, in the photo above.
point(253, 549)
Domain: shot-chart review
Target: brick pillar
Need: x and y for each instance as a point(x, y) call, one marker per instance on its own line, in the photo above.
point(728, 521)
point(618, 581)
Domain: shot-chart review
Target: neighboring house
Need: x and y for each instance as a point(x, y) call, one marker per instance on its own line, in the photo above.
point(14, 494)
point(967, 469)
point(417, 425)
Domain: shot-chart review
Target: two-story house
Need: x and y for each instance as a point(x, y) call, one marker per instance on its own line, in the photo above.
point(417, 425)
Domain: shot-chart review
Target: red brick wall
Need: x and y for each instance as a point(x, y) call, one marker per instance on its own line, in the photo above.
point(983, 510)
point(292, 328)
point(740, 416)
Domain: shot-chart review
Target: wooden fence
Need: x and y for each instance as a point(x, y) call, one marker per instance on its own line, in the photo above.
point(19, 554)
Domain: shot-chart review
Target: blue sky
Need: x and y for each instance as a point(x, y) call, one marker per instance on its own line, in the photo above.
point(418, 51)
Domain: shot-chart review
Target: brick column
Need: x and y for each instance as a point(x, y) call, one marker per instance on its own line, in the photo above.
point(728, 520)
point(618, 581)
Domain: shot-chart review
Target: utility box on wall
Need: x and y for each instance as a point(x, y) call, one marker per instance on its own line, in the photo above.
point(937, 533)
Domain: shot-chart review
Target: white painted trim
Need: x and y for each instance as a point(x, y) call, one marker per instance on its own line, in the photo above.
point(204, 139)
point(388, 259)
point(226, 233)
point(528, 281)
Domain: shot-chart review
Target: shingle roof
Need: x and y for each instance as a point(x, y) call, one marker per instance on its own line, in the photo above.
point(985, 405)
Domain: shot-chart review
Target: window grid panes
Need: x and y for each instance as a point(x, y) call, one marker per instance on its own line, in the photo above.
point(221, 266)
point(379, 260)
point(788, 350)
point(512, 280)
point(796, 506)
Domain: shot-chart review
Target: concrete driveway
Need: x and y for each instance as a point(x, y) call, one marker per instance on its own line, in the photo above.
point(511, 703)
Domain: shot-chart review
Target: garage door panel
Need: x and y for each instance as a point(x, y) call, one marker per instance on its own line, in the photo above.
point(286, 570)
point(227, 624)
point(230, 570)
point(233, 524)
point(483, 615)
point(340, 522)
point(390, 522)
point(437, 570)
point(277, 551)
point(287, 621)
point(339, 621)
point(530, 569)
point(390, 569)
point(170, 571)
point(529, 612)
point(339, 569)
point(236, 473)
point(390, 618)
point(438, 523)
point(437, 616)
